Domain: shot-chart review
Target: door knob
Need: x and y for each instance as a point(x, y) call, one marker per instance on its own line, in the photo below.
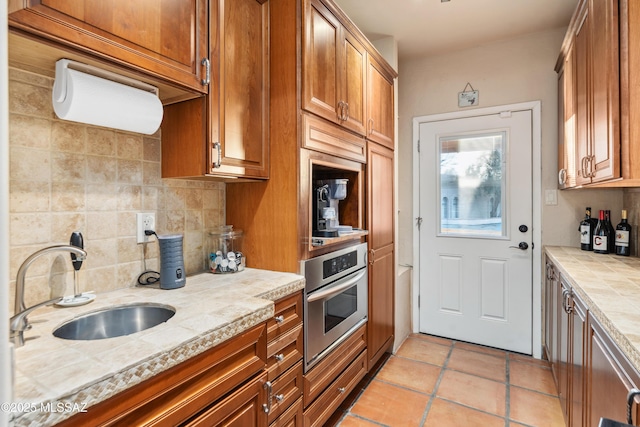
point(522, 246)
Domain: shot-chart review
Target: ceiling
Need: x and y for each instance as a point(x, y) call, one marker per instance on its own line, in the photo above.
point(431, 27)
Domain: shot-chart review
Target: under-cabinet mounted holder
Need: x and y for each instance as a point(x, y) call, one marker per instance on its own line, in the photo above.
point(60, 84)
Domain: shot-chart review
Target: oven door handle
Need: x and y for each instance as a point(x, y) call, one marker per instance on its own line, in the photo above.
point(336, 289)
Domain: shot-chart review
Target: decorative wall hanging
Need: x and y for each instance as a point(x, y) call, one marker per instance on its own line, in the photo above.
point(468, 98)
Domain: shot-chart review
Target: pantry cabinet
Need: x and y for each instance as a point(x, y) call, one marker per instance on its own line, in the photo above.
point(225, 133)
point(380, 213)
point(334, 65)
point(164, 38)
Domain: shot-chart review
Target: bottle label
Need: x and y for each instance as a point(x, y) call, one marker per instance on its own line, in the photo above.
point(585, 234)
point(599, 243)
point(622, 238)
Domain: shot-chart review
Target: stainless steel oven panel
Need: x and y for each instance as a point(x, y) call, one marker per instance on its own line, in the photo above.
point(312, 269)
point(317, 341)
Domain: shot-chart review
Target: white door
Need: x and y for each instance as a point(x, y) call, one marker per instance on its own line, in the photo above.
point(475, 240)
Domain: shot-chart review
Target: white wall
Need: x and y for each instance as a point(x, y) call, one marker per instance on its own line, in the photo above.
point(5, 359)
point(507, 72)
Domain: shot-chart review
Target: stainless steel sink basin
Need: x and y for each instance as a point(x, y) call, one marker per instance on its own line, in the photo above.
point(115, 321)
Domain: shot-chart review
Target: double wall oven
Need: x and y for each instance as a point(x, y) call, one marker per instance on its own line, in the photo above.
point(335, 300)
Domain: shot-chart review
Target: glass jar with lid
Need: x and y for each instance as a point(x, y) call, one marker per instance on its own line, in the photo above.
point(225, 254)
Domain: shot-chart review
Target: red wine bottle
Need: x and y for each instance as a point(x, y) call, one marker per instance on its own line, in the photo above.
point(586, 231)
point(600, 236)
point(611, 242)
point(623, 233)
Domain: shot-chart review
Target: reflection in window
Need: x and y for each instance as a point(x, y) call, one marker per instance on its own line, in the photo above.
point(472, 177)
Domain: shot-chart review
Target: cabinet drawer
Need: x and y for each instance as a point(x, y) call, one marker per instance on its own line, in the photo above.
point(326, 137)
point(284, 352)
point(288, 315)
point(325, 405)
point(325, 372)
point(286, 390)
point(244, 407)
point(292, 417)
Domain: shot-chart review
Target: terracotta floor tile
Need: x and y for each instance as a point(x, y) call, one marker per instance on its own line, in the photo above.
point(480, 349)
point(390, 405)
point(409, 373)
point(424, 351)
point(536, 409)
point(534, 377)
point(447, 414)
point(476, 392)
point(351, 421)
point(481, 364)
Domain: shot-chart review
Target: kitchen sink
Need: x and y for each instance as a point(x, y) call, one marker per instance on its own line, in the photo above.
point(115, 321)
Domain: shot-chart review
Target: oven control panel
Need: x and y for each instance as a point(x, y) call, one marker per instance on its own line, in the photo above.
point(339, 264)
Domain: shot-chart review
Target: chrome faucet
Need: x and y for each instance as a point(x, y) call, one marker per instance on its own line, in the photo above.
point(19, 323)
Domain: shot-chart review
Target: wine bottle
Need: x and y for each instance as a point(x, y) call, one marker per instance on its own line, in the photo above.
point(611, 242)
point(600, 236)
point(586, 231)
point(623, 233)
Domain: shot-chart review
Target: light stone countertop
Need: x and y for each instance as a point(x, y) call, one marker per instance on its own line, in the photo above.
point(609, 285)
point(210, 309)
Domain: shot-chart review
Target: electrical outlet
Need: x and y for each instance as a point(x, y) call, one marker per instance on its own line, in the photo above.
point(144, 221)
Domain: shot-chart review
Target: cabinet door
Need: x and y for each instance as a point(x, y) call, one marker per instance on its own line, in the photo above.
point(605, 89)
point(576, 361)
point(567, 122)
point(563, 334)
point(380, 209)
point(581, 75)
point(239, 127)
point(225, 134)
point(167, 38)
point(611, 377)
point(321, 48)
point(243, 408)
point(353, 80)
point(380, 109)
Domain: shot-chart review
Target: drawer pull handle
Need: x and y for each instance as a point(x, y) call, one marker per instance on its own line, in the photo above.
point(279, 357)
point(279, 319)
point(279, 397)
point(266, 407)
point(342, 389)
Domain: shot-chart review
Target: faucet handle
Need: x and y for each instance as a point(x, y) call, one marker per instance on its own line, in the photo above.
point(77, 241)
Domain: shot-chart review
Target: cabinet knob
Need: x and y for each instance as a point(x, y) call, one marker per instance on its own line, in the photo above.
point(279, 397)
point(342, 389)
point(279, 319)
point(279, 357)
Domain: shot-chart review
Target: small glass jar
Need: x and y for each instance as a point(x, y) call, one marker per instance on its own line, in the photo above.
point(225, 255)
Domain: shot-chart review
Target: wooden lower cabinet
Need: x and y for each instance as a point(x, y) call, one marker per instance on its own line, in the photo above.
point(610, 377)
point(292, 417)
point(329, 382)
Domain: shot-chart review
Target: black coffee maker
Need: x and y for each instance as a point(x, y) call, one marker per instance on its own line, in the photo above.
point(323, 213)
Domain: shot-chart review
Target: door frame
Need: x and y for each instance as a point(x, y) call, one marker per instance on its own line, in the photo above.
point(536, 168)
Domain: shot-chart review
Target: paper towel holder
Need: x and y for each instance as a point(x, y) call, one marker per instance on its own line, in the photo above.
point(60, 84)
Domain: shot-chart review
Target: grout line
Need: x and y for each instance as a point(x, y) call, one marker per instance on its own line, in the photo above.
point(435, 387)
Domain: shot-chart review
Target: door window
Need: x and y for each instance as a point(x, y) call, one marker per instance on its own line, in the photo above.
point(472, 185)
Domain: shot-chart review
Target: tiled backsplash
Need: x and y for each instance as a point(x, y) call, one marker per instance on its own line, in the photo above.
point(66, 176)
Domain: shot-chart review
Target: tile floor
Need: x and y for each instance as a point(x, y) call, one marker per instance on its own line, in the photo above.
point(432, 381)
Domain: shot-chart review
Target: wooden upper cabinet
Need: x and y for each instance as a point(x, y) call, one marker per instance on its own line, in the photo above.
point(567, 122)
point(334, 68)
point(225, 134)
point(163, 38)
point(380, 104)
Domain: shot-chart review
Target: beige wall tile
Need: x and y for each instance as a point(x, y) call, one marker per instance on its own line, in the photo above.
point(67, 176)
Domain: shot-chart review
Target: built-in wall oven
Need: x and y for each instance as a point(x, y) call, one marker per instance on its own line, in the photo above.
point(335, 300)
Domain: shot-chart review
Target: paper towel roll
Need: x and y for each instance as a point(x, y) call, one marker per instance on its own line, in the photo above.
point(97, 101)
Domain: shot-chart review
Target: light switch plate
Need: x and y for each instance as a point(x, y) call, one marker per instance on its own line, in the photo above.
point(550, 197)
